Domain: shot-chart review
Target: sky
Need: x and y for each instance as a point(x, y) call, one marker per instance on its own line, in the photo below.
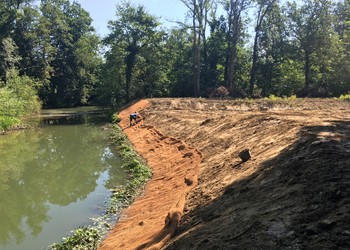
point(101, 11)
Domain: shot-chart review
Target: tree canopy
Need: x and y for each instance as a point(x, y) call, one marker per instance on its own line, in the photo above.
point(250, 47)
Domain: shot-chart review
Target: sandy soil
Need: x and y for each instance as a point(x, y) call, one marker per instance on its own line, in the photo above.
point(294, 193)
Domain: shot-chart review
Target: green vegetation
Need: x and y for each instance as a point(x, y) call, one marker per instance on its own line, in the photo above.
point(17, 98)
point(139, 173)
point(273, 98)
point(83, 238)
point(345, 97)
point(115, 118)
point(51, 56)
point(279, 48)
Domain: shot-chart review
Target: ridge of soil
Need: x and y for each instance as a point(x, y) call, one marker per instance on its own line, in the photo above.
point(294, 193)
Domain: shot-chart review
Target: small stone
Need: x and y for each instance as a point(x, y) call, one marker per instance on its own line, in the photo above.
point(141, 223)
point(245, 155)
point(188, 181)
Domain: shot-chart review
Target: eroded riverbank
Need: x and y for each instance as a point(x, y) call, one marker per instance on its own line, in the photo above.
point(152, 219)
point(292, 193)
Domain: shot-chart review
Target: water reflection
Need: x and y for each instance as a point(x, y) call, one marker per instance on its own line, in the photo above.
point(53, 165)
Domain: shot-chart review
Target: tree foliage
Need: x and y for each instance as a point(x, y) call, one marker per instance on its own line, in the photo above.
point(134, 46)
point(265, 47)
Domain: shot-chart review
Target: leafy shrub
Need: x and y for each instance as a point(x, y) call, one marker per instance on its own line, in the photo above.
point(17, 98)
point(23, 88)
point(345, 97)
point(9, 104)
point(10, 108)
point(6, 122)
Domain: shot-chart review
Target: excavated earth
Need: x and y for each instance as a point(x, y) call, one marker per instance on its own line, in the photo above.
point(293, 193)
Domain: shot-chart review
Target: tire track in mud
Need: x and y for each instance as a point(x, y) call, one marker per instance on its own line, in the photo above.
point(153, 218)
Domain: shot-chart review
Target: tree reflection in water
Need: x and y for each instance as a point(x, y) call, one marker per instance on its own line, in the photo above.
point(56, 165)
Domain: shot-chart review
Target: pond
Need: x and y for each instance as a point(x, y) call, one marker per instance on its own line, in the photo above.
point(55, 177)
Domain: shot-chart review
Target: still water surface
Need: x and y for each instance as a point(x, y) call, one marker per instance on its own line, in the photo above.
point(54, 178)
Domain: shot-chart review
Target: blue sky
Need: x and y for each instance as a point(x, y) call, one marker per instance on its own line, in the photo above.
point(102, 11)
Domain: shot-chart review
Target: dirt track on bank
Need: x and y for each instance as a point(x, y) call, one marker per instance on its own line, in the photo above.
point(294, 193)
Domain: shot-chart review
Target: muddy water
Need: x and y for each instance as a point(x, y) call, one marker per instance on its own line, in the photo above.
point(54, 178)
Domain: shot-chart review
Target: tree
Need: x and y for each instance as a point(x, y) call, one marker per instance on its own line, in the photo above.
point(217, 48)
point(264, 7)
point(179, 74)
point(235, 10)
point(26, 36)
point(312, 33)
point(134, 32)
point(341, 81)
point(18, 93)
point(198, 10)
point(9, 53)
point(9, 9)
point(70, 51)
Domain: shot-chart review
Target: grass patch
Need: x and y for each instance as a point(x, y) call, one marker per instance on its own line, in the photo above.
point(345, 97)
point(6, 122)
point(277, 99)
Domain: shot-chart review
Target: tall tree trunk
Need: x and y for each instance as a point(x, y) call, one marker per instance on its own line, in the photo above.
point(206, 9)
point(263, 10)
point(196, 60)
point(198, 10)
point(254, 66)
point(307, 69)
point(232, 59)
point(130, 63)
point(236, 8)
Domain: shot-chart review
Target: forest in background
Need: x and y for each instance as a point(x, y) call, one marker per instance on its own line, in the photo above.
point(51, 56)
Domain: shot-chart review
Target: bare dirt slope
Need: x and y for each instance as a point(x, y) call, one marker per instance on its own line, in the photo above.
point(154, 216)
point(294, 193)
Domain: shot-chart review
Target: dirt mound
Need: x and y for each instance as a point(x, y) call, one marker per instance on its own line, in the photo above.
point(292, 194)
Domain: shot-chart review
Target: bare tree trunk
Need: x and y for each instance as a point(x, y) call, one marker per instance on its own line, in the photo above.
point(307, 69)
point(263, 10)
point(198, 10)
point(208, 5)
point(232, 60)
point(254, 66)
point(130, 63)
point(236, 8)
point(196, 59)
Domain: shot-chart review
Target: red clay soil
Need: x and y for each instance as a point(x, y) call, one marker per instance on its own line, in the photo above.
point(153, 217)
point(294, 192)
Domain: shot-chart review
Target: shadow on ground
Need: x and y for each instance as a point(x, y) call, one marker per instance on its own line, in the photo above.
point(297, 200)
